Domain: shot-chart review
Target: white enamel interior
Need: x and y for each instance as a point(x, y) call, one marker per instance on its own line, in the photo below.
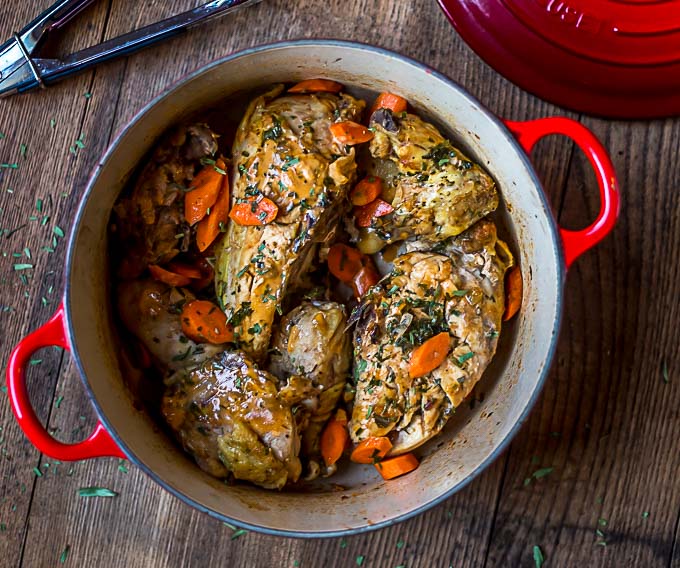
point(472, 438)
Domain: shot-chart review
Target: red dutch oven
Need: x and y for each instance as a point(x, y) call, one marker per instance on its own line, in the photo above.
point(474, 437)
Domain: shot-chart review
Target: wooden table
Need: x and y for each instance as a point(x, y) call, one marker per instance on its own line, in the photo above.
point(608, 421)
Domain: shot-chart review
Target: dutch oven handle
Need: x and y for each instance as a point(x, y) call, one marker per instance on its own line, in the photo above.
point(575, 243)
point(99, 444)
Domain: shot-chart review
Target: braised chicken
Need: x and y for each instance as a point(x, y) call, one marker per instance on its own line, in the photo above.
point(149, 223)
point(435, 190)
point(150, 310)
point(253, 373)
point(311, 356)
point(458, 290)
point(283, 151)
point(225, 411)
point(229, 416)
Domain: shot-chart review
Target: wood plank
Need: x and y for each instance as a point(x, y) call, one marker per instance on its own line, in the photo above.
point(49, 172)
point(618, 455)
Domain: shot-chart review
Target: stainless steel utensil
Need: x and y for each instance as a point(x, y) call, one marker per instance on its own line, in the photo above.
point(20, 71)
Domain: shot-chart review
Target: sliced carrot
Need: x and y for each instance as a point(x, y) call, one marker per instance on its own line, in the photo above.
point(371, 449)
point(363, 280)
point(185, 270)
point(316, 86)
point(254, 212)
point(428, 356)
point(365, 214)
point(333, 441)
point(167, 277)
point(367, 190)
point(205, 189)
point(204, 322)
point(396, 466)
point(215, 222)
point(391, 101)
point(350, 133)
point(344, 262)
point(513, 292)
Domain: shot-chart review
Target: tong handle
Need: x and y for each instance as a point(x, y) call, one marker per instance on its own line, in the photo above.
point(53, 70)
point(53, 18)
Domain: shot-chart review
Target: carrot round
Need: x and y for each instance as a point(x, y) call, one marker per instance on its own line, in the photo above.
point(214, 223)
point(363, 280)
point(513, 292)
point(371, 450)
point(428, 356)
point(254, 212)
point(396, 466)
point(365, 214)
point(204, 322)
point(350, 133)
point(391, 101)
point(205, 189)
point(316, 86)
point(344, 262)
point(367, 190)
point(167, 277)
point(333, 441)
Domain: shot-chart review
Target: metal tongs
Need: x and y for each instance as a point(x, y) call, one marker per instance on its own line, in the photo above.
point(20, 71)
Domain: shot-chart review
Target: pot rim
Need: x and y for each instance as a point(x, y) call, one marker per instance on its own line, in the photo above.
point(546, 210)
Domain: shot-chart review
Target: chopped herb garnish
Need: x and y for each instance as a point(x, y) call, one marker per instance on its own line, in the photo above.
point(360, 560)
point(538, 557)
point(121, 467)
point(465, 357)
point(96, 492)
point(87, 95)
point(53, 123)
point(22, 266)
point(343, 543)
point(665, 372)
point(58, 231)
point(274, 132)
point(33, 362)
point(645, 515)
point(256, 329)
point(290, 162)
point(602, 522)
point(182, 356)
point(37, 472)
point(10, 166)
point(460, 293)
point(400, 543)
point(22, 150)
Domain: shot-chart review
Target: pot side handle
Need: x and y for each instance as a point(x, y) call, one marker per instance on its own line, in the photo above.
point(98, 444)
point(575, 243)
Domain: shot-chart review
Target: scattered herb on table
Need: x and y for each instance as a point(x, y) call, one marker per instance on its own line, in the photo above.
point(343, 543)
point(360, 560)
point(645, 515)
point(122, 467)
point(58, 402)
point(96, 492)
point(400, 543)
point(64, 554)
point(236, 532)
point(666, 380)
point(538, 557)
point(37, 472)
point(538, 474)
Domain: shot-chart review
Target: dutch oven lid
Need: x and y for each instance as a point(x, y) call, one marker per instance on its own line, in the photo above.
point(615, 58)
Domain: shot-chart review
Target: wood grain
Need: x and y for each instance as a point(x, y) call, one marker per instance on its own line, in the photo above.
point(607, 422)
